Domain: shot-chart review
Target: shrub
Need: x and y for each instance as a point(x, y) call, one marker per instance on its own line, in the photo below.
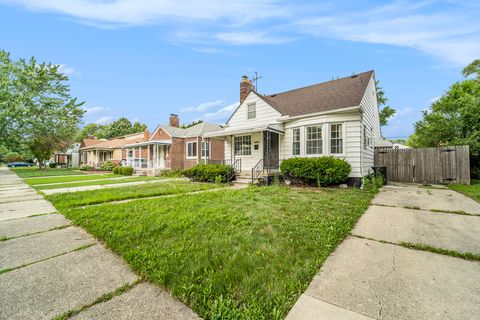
point(373, 182)
point(108, 165)
point(210, 173)
point(52, 165)
point(117, 170)
point(323, 171)
point(86, 167)
point(126, 171)
point(173, 173)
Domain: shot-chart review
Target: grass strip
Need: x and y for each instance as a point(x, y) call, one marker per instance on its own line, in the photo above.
point(45, 259)
point(65, 179)
point(95, 183)
point(103, 298)
point(471, 191)
point(83, 198)
point(231, 254)
point(35, 172)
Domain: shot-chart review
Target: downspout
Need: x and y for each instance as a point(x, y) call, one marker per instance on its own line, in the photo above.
point(361, 142)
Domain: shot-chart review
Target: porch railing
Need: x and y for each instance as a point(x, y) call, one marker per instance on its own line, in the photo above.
point(257, 170)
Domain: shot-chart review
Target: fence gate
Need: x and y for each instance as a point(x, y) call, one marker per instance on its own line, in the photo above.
point(426, 165)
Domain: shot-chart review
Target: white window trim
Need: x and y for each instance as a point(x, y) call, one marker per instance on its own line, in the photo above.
point(251, 147)
point(344, 136)
point(322, 130)
point(299, 141)
point(209, 150)
point(255, 105)
point(186, 150)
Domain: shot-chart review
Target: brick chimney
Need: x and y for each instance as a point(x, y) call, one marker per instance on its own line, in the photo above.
point(245, 87)
point(174, 120)
point(146, 134)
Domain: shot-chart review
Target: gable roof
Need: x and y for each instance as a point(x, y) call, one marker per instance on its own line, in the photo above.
point(193, 131)
point(114, 143)
point(326, 96)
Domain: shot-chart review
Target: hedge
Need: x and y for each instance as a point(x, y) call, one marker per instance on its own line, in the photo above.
point(323, 171)
point(86, 167)
point(126, 171)
point(210, 173)
point(109, 165)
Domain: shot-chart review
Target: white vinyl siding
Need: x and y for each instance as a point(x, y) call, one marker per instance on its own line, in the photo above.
point(314, 140)
point(252, 111)
point(336, 138)
point(296, 143)
point(191, 150)
point(370, 127)
point(243, 145)
point(264, 114)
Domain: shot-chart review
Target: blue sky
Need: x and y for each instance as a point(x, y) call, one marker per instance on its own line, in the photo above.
point(145, 59)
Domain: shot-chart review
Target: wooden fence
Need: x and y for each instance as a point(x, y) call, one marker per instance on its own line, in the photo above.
point(426, 165)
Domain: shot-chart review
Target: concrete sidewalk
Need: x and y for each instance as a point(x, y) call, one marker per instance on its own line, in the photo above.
point(49, 267)
point(372, 275)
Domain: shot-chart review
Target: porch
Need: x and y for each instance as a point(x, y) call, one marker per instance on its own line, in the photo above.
point(148, 158)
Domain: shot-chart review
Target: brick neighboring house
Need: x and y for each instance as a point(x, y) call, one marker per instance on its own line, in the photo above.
point(172, 147)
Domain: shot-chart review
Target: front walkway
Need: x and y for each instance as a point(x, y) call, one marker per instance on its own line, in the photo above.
point(50, 268)
point(391, 268)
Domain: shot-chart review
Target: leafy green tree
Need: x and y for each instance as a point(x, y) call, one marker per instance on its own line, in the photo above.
point(36, 107)
point(91, 129)
point(385, 111)
point(138, 127)
point(193, 123)
point(454, 119)
point(472, 69)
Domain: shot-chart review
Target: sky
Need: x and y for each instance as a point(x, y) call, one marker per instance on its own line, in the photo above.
point(145, 59)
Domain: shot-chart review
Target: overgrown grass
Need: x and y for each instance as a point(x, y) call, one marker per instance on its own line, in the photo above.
point(230, 254)
point(472, 191)
point(82, 198)
point(89, 177)
point(95, 182)
point(35, 172)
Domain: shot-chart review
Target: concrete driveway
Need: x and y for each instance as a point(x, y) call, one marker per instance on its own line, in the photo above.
point(374, 274)
point(49, 267)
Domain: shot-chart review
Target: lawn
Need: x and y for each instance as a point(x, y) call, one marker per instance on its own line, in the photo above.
point(82, 198)
point(230, 254)
point(472, 191)
point(35, 172)
point(98, 182)
point(87, 177)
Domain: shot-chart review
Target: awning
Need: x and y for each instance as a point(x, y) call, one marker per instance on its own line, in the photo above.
point(151, 142)
point(274, 127)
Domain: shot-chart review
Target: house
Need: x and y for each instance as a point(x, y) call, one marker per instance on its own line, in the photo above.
point(385, 144)
point(335, 118)
point(70, 157)
point(173, 147)
point(96, 151)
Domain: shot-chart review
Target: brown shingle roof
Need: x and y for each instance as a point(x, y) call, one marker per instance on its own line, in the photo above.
point(118, 142)
point(89, 142)
point(331, 95)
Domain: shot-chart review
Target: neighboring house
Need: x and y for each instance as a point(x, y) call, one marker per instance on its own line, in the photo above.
point(336, 118)
point(95, 152)
point(385, 144)
point(69, 158)
point(173, 147)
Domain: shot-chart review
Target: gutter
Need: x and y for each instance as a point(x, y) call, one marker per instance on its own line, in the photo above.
point(288, 118)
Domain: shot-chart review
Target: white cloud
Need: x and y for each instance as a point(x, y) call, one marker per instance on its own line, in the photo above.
point(103, 120)
point(221, 114)
point(66, 70)
point(202, 107)
point(249, 38)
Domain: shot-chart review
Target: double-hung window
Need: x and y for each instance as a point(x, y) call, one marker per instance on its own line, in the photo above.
point(192, 149)
point(252, 111)
point(296, 142)
point(336, 138)
point(314, 139)
point(243, 146)
point(205, 150)
point(366, 137)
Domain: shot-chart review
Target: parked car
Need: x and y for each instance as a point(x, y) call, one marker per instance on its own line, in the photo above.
point(19, 164)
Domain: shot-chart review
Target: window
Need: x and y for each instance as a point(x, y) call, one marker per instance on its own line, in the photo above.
point(243, 146)
point(336, 138)
point(130, 153)
point(191, 149)
point(314, 139)
point(252, 111)
point(296, 142)
point(365, 137)
point(205, 150)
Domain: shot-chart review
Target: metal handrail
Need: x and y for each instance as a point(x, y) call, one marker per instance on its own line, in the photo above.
point(257, 170)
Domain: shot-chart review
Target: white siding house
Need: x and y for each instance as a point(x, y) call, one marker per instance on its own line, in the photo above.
point(336, 118)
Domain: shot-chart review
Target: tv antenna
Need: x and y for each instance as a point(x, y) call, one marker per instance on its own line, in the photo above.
point(255, 80)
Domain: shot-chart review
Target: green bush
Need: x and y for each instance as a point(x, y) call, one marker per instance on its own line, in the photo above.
point(52, 165)
point(117, 170)
point(126, 171)
point(373, 182)
point(109, 165)
point(323, 171)
point(86, 167)
point(210, 173)
point(173, 173)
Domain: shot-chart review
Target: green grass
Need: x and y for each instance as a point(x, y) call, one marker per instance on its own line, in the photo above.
point(230, 254)
point(95, 182)
point(82, 198)
point(35, 172)
point(472, 191)
point(67, 178)
point(424, 247)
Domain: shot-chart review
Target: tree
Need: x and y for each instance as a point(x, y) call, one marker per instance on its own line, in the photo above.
point(454, 119)
point(193, 123)
point(117, 128)
point(91, 129)
point(472, 69)
point(36, 107)
point(138, 127)
point(385, 111)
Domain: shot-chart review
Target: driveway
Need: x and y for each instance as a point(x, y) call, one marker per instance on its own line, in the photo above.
point(389, 268)
point(49, 267)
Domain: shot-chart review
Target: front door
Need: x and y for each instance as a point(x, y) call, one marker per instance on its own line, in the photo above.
point(270, 150)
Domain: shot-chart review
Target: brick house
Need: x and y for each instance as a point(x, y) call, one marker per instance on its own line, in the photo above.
point(173, 147)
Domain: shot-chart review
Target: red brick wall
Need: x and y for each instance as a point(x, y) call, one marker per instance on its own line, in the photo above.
point(160, 134)
point(177, 153)
point(217, 149)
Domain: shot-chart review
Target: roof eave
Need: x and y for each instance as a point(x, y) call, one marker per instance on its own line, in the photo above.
point(308, 115)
